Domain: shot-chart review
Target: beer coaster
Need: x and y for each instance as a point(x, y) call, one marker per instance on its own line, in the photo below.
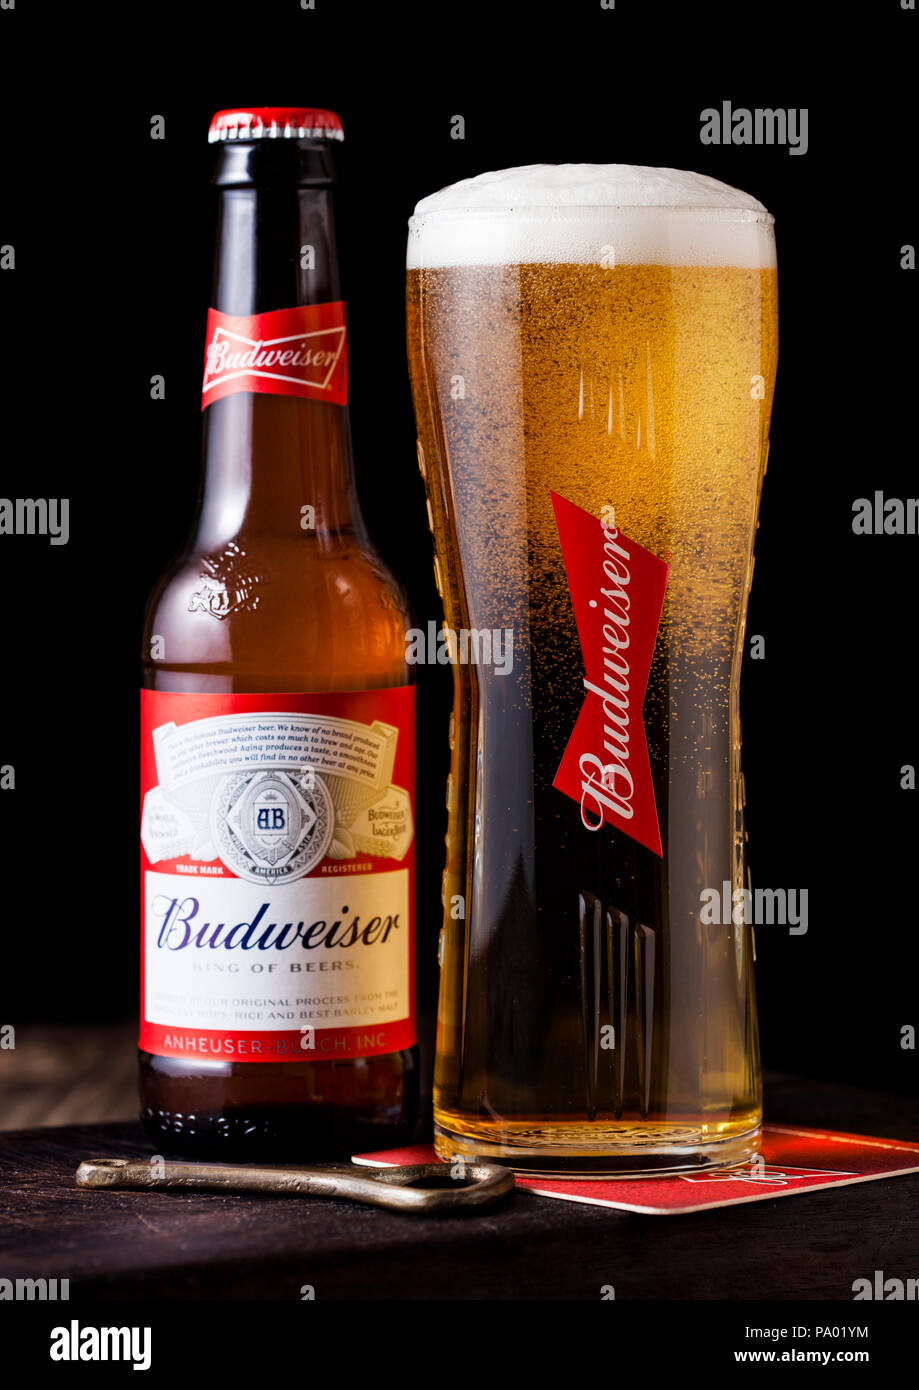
point(790, 1162)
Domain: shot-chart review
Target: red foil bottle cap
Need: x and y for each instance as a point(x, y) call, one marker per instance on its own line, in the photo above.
point(275, 123)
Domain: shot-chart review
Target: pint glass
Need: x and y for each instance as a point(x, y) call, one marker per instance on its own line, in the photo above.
point(593, 354)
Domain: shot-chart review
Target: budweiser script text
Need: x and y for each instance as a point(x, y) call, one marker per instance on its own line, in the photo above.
point(181, 927)
point(611, 784)
point(223, 356)
point(617, 594)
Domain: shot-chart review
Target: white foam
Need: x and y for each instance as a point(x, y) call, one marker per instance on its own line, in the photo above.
point(590, 213)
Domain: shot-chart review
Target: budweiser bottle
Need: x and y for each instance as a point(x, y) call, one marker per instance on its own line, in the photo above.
point(278, 753)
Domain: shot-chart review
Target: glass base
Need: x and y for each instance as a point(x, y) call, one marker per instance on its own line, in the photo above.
point(575, 1150)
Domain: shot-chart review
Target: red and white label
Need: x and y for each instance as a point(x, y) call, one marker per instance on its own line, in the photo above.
point(617, 593)
point(288, 352)
point(277, 875)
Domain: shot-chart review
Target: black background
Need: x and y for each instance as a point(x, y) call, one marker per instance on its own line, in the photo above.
point(113, 236)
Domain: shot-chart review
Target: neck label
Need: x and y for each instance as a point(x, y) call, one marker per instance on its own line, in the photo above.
point(288, 352)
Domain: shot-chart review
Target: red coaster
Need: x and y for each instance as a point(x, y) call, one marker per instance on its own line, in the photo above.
point(790, 1161)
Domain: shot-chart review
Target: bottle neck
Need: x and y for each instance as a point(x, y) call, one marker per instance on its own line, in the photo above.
point(268, 458)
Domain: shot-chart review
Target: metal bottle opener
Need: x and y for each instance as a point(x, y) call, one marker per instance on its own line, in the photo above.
point(420, 1187)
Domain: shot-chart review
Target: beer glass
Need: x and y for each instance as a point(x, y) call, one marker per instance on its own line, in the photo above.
point(593, 353)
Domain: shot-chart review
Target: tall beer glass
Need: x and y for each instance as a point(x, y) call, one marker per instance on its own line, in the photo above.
point(593, 353)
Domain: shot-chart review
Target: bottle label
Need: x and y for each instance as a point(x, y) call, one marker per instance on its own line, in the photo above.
point(277, 875)
point(288, 352)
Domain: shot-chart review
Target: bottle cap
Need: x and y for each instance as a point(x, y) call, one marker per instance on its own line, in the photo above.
point(275, 123)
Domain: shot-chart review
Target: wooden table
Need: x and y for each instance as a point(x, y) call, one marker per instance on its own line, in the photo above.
point(166, 1246)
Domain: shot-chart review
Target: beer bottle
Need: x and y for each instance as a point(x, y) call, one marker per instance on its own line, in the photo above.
point(278, 717)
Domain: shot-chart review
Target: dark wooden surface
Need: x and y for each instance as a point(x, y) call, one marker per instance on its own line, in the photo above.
point(60, 1074)
point(157, 1245)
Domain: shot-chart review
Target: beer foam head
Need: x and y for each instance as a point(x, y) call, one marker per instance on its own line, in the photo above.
point(603, 213)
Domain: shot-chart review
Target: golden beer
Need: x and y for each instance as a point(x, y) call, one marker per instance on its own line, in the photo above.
point(621, 355)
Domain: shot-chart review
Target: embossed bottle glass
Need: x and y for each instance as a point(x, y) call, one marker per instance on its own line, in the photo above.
point(593, 354)
point(278, 871)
